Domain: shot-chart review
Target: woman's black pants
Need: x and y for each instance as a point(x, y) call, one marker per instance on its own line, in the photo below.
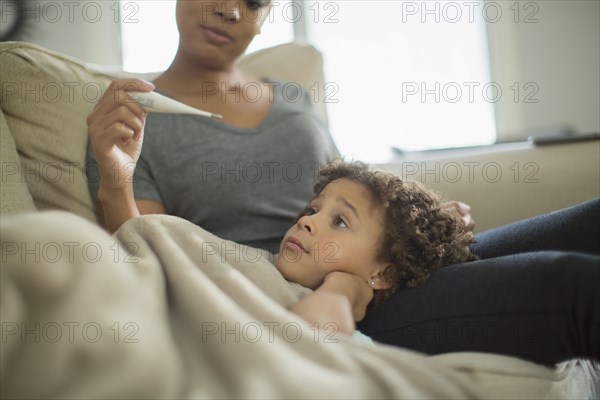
point(534, 294)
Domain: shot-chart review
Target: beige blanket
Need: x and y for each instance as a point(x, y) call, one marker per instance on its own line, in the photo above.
point(164, 309)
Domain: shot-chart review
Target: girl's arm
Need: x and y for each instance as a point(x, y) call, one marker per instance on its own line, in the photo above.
point(342, 299)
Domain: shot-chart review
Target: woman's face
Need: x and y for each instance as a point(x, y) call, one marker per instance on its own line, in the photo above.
point(215, 33)
point(340, 231)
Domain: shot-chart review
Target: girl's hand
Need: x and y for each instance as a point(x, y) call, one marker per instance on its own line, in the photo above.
point(116, 132)
point(462, 211)
point(341, 300)
point(354, 287)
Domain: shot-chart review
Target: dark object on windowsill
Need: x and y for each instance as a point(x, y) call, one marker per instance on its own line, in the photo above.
point(548, 139)
point(556, 134)
point(539, 137)
point(401, 152)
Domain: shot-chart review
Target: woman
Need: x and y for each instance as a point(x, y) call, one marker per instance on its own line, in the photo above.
point(246, 179)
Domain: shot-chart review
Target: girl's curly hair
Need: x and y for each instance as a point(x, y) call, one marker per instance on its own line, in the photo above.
point(418, 235)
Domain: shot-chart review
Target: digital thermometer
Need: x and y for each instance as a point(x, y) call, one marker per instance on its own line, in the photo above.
point(156, 102)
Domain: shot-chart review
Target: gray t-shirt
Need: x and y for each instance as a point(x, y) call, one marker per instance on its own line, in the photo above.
point(245, 185)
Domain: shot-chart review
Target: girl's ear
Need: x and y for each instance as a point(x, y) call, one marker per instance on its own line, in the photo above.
point(379, 280)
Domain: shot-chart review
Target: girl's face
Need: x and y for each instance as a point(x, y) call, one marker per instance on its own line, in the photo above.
point(217, 32)
point(341, 230)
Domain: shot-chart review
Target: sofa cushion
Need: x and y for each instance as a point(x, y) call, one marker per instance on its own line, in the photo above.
point(290, 62)
point(14, 196)
point(46, 97)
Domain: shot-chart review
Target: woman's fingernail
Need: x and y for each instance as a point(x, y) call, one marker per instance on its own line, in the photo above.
point(150, 84)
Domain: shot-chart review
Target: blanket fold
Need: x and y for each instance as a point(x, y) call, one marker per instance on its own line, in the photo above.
point(164, 309)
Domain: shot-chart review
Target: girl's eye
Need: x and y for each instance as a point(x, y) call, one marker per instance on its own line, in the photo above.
point(339, 222)
point(305, 212)
point(255, 4)
point(309, 211)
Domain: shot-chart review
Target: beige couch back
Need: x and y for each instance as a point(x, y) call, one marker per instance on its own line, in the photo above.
point(506, 183)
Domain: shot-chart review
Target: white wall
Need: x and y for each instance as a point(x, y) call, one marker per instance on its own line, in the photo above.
point(559, 55)
point(85, 29)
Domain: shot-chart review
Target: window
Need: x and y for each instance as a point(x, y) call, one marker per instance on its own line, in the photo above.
point(413, 75)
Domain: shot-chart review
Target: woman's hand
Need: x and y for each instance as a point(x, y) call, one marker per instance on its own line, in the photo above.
point(462, 211)
point(116, 132)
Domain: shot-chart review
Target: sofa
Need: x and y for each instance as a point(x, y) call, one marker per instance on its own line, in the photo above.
point(44, 199)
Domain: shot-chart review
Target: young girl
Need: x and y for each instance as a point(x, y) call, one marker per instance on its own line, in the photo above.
point(364, 235)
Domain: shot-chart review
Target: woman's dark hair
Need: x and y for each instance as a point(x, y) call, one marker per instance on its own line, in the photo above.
point(418, 236)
